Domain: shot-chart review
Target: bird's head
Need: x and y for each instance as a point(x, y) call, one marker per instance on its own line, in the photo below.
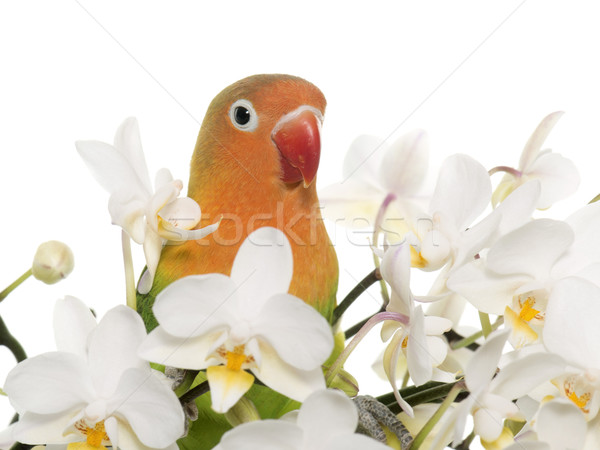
point(264, 127)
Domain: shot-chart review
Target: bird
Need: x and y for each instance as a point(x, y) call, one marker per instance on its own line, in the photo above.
point(255, 164)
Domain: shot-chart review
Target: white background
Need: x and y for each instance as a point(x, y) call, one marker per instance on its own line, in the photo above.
point(478, 76)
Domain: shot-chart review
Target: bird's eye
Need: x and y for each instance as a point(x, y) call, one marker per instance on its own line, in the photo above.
point(243, 116)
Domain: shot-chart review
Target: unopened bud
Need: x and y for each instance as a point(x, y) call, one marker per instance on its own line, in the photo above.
point(52, 262)
point(345, 383)
point(243, 411)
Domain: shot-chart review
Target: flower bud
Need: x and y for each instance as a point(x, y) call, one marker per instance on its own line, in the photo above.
point(243, 411)
point(52, 262)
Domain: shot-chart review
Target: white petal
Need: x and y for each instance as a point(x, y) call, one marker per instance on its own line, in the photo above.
point(451, 306)
point(434, 326)
point(558, 175)
point(286, 379)
point(561, 424)
point(395, 269)
point(487, 424)
point(404, 164)
point(352, 203)
point(162, 197)
point(352, 442)
point(263, 435)
point(327, 413)
point(570, 328)
point(362, 159)
point(463, 190)
point(535, 142)
point(518, 207)
point(49, 383)
point(262, 267)
point(128, 142)
point(483, 364)
point(522, 376)
point(150, 407)
point(473, 240)
point(186, 353)
point(128, 439)
point(181, 213)
point(43, 428)
point(227, 386)
point(73, 322)
point(437, 349)
point(153, 245)
point(168, 231)
point(163, 176)
point(113, 348)
point(111, 426)
point(390, 366)
point(417, 353)
point(196, 305)
point(128, 213)
point(298, 333)
point(531, 249)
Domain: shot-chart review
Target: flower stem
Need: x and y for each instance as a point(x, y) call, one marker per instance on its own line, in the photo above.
point(10, 342)
point(339, 362)
point(506, 169)
point(416, 395)
point(129, 277)
point(194, 393)
point(465, 342)
point(356, 327)
point(378, 221)
point(14, 285)
point(361, 287)
point(486, 326)
point(420, 437)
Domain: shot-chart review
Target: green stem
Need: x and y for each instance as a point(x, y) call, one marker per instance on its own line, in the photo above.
point(356, 327)
point(188, 380)
point(361, 287)
point(486, 326)
point(465, 342)
point(194, 393)
point(464, 445)
point(416, 395)
point(595, 199)
point(14, 285)
point(10, 342)
point(420, 437)
point(129, 276)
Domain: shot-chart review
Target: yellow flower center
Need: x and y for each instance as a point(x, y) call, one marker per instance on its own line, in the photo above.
point(236, 358)
point(94, 436)
point(580, 401)
point(528, 312)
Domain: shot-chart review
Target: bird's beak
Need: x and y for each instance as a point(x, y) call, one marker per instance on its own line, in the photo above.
point(297, 135)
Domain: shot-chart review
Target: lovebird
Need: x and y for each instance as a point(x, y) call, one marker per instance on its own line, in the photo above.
point(254, 165)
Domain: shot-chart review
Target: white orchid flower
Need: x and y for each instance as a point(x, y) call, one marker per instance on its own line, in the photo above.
point(151, 217)
point(246, 321)
point(558, 175)
point(95, 388)
point(327, 420)
point(372, 170)
point(420, 340)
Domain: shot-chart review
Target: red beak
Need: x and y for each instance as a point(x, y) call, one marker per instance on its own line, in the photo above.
point(297, 136)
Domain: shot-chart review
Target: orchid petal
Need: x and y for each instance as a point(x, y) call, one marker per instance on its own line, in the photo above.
point(196, 305)
point(73, 322)
point(360, 162)
point(168, 231)
point(487, 423)
point(562, 424)
point(395, 269)
point(482, 366)
point(292, 382)
point(417, 351)
point(263, 435)
point(182, 213)
point(404, 165)
point(437, 349)
point(128, 142)
point(128, 439)
point(263, 265)
point(434, 326)
point(352, 203)
point(162, 197)
point(50, 383)
point(43, 428)
point(463, 190)
point(111, 426)
point(518, 207)
point(128, 213)
point(286, 321)
point(390, 365)
point(163, 177)
point(227, 386)
point(113, 348)
point(153, 245)
point(351, 442)
point(559, 177)
point(534, 143)
point(326, 415)
point(150, 407)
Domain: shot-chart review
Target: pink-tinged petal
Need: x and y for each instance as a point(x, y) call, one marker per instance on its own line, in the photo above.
point(352, 203)
point(390, 366)
point(262, 268)
point(263, 435)
point(50, 383)
point(113, 347)
point(570, 328)
point(531, 249)
point(487, 424)
point(150, 407)
point(326, 414)
point(534, 144)
point(286, 379)
point(296, 331)
point(111, 169)
point(562, 424)
point(482, 366)
point(362, 160)
point(128, 142)
point(462, 192)
point(522, 376)
point(395, 269)
point(418, 355)
point(558, 175)
point(73, 322)
point(196, 305)
point(227, 386)
point(404, 164)
point(186, 353)
point(153, 245)
point(489, 292)
point(36, 429)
